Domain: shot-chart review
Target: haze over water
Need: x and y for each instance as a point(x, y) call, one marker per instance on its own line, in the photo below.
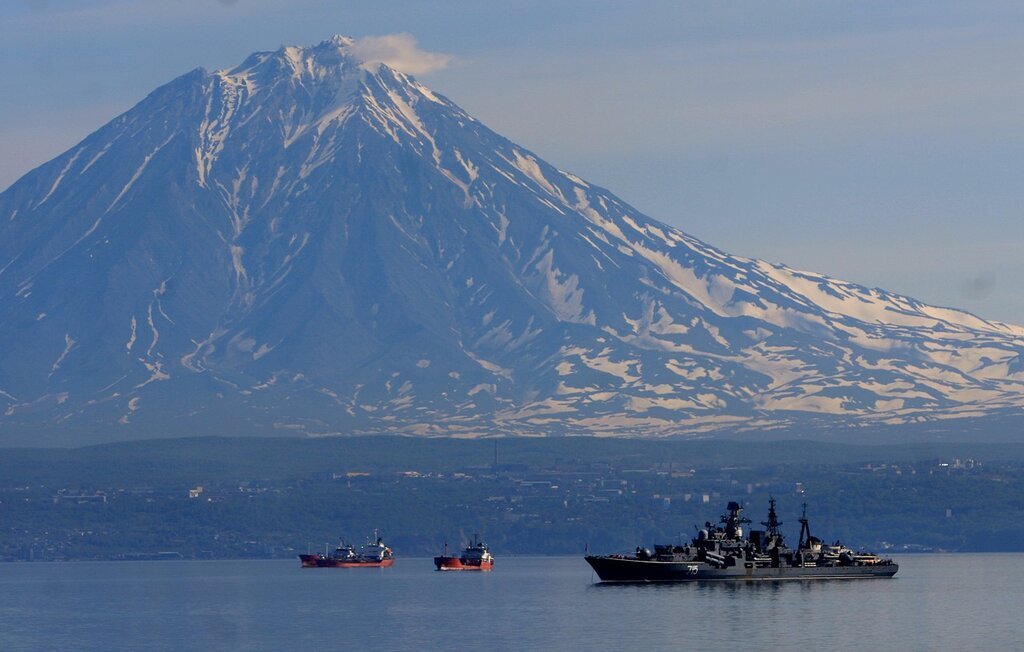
point(937, 602)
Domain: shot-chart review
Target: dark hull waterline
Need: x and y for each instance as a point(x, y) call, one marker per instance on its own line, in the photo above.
point(624, 569)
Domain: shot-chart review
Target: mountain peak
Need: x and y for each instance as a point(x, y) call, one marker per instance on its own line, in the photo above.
point(330, 59)
point(338, 41)
point(340, 56)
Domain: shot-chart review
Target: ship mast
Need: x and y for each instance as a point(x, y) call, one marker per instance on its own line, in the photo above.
point(805, 531)
point(773, 522)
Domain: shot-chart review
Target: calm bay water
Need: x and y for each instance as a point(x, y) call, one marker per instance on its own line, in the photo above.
point(937, 602)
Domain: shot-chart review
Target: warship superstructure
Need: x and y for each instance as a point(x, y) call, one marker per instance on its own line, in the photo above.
point(722, 552)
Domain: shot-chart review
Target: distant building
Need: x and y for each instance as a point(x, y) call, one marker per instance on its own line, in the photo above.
point(80, 499)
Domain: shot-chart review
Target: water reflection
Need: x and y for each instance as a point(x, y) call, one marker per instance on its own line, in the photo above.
point(726, 586)
point(938, 603)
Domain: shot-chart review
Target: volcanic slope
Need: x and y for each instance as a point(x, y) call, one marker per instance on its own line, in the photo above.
point(310, 244)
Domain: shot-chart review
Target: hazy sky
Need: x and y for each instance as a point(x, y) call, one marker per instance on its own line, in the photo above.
point(881, 143)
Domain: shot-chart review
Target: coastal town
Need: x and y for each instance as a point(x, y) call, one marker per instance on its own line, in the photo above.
point(561, 506)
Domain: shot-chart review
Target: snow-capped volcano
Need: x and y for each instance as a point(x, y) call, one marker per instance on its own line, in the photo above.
point(310, 243)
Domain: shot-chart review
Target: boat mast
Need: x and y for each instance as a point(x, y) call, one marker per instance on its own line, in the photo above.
point(773, 522)
point(805, 531)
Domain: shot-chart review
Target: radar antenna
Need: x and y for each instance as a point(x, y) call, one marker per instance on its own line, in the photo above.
point(733, 521)
point(773, 522)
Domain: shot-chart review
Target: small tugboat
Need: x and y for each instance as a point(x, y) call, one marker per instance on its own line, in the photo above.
point(722, 553)
point(474, 557)
point(371, 555)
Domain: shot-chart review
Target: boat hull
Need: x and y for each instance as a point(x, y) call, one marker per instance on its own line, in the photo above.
point(457, 564)
point(627, 569)
point(318, 561)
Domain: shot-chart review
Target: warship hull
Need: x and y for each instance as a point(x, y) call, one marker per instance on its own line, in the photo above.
point(612, 568)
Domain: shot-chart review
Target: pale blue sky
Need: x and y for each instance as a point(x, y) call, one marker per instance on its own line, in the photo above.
point(880, 143)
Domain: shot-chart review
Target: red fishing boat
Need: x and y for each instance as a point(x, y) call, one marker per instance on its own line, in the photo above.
point(474, 557)
point(371, 555)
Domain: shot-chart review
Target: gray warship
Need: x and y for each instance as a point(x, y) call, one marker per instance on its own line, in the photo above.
point(721, 552)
